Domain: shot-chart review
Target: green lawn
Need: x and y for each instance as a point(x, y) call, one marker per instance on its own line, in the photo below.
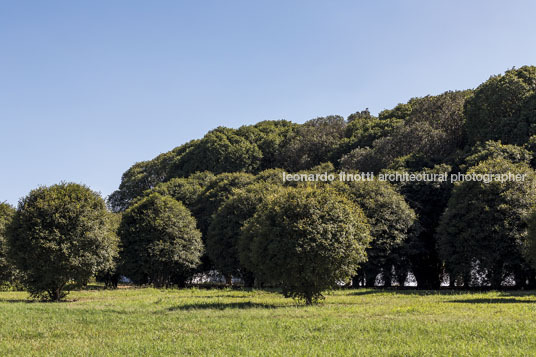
point(225, 322)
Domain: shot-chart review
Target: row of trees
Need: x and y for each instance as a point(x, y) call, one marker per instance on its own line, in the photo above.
point(302, 239)
point(219, 203)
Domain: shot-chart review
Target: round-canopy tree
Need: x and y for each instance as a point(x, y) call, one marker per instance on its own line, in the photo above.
point(160, 241)
point(307, 240)
point(225, 229)
point(215, 193)
point(60, 234)
point(502, 108)
point(483, 229)
point(221, 150)
point(390, 219)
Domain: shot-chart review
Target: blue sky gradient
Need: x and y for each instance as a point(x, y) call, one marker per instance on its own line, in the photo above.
point(89, 88)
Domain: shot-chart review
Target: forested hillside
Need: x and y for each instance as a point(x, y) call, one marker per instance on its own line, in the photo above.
point(219, 205)
point(428, 228)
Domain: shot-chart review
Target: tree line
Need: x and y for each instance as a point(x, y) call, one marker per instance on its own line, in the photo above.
point(219, 204)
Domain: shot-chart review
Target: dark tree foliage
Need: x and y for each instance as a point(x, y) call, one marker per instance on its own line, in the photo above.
point(202, 193)
point(428, 199)
point(247, 149)
point(224, 230)
point(324, 168)
point(442, 112)
point(454, 131)
point(529, 248)
point(217, 192)
point(271, 176)
point(502, 108)
point(360, 115)
point(530, 146)
point(483, 229)
point(313, 143)
point(362, 131)
point(416, 139)
point(109, 273)
point(8, 273)
point(496, 150)
point(432, 130)
point(60, 234)
point(307, 240)
point(185, 190)
point(269, 136)
point(527, 118)
point(145, 175)
point(160, 242)
point(221, 150)
point(363, 159)
point(390, 219)
point(401, 111)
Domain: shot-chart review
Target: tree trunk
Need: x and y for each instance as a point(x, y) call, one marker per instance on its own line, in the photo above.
point(466, 279)
point(57, 293)
point(452, 280)
point(387, 276)
point(370, 280)
point(401, 277)
point(496, 277)
point(427, 273)
point(355, 281)
point(249, 279)
point(228, 279)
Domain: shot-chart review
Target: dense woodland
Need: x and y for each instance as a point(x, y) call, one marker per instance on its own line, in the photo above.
point(219, 204)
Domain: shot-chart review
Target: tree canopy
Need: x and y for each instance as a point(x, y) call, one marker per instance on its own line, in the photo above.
point(483, 230)
point(390, 219)
point(214, 204)
point(307, 240)
point(502, 108)
point(225, 229)
point(7, 270)
point(160, 242)
point(60, 234)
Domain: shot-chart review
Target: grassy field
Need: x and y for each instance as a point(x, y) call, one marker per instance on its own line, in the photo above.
point(226, 322)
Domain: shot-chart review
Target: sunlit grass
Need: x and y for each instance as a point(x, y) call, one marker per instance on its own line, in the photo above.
point(230, 322)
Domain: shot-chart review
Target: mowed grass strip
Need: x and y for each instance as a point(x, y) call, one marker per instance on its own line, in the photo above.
point(232, 322)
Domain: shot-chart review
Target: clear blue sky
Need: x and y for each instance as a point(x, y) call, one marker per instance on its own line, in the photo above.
point(87, 88)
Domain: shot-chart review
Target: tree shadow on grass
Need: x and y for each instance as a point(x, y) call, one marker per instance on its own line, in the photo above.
point(518, 293)
point(38, 301)
point(493, 301)
point(92, 287)
point(224, 306)
point(409, 292)
point(213, 296)
point(13, 301)
point(445, 292)
point(366, 292)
